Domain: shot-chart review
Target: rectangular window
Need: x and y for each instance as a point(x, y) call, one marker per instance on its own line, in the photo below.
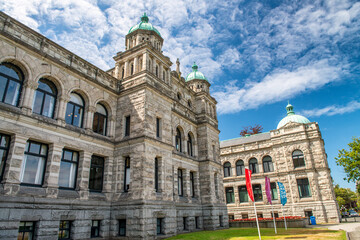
point(231, 217)
point(96, 174)
point(257, 192)
point(304, 187)
point(229, 195)
point(26, 231)
point(68, 169)
point(243, 195)
point(156, 175)
point(185, 227)
point(158, 127)
point(221, 221)
point(260, 215)
point(4, 149)
point(276, 215)
point(127, 174)
point(244, 216)
point(33, 166)
point(197, 222)
point(180, 182)
point(127, 126)
point(95, 228)
point(159, 226)
point(122, 227)
point(64, 230)
point(192, 184)
point(216, 184)
point(274, 193)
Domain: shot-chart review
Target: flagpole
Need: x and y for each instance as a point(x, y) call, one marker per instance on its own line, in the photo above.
point(284, 216)
point(272, 208)
point(257, 222)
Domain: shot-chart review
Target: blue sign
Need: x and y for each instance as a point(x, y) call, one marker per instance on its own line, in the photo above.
point(282, 191)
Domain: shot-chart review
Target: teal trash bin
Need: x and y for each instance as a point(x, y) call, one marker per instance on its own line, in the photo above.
point(312, 220)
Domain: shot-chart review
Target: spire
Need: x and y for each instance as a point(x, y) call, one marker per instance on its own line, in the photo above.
point(178, 68)
point(194, 67)
point(144, 18)
point(290, 109)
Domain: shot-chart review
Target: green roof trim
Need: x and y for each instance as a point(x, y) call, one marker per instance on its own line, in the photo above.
point(292, 117)
point(195, 74)
point(144, 25)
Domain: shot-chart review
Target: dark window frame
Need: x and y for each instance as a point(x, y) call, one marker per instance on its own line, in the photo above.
point(126, 167)
point(257, 190)
point(99, 116)
point(159, 226)
point(29, 142)
point(6, 150)
point(192, 184)
point(298, 159)
point(122, 226)
point(127, 126)
point(156, 171)
point(24, 231)
point(268, 165)
point(54, 95)
point(273, 195)
point(243, 189)
point(227, 169)
point(158, 127)
point(10, 78)
point(64, 229)
point(178, 144)
point(72, 162)
point(240, 168)
point(190, 145)
point(230, 198)
point(95, 230)
point(92, 166)
point(254, 166)
point(304, 187)
point(180, 183)
point(73, 111)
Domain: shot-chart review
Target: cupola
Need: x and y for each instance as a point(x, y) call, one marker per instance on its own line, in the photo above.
point(292, 117)
point(197, 81)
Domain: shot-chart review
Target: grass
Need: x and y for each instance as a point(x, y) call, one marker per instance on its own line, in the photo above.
point(267, 233)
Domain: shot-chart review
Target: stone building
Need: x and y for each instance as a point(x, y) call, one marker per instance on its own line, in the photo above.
point(129, 153)
point(293, 154)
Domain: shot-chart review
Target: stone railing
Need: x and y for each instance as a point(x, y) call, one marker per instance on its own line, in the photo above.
point(299, 222)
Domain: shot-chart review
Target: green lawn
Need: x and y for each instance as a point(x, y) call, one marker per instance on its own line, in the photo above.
point(266, 233)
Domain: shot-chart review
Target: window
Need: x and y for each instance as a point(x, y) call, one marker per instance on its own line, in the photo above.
point(64, 230)
point(276, 215)
point(127, 174)
point(159, 226)
point(122, 227)
point(244, 216)
point(304, 187)
point(180, 183)
point(240, 168)
point(11, 79)
point(96, 174)
point(68, 169)
point(100, 120)
point(253, 165)
point(268, 164)
point(257, 192)
point(33, 166)
point(185, 227)
point(216, 184)
point(26, 231)
point(192, 184)
point(157, 71)
point(164, 76)
point(75, 110)
point(227, 169)
point(243, 195)
point(132, 69)
point(156, 170)
point(274, 193)
point(95, 228)
point(158, 127)
point(260, 215)
point(229, 195)
point(197, 222)
point(4, 149)
point(190, 145)
point(298, 158)
point(178, 140)
point(189, 104)
point(45, 98)
point(127, 126)
point(231, 217)
point(221, 221)
point(178, 96)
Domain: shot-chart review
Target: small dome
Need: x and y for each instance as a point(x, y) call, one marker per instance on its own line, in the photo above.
point(145, 25)
point(292, 117)
point(195, 74)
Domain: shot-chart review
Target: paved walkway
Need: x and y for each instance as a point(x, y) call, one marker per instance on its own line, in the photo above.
point(352, 228)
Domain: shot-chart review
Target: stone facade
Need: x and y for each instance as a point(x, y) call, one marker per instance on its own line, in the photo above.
point(280, 145)
point(146, 105)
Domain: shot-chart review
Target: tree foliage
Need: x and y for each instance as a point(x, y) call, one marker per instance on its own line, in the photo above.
point(350, 160)
point(251, 130)
point(345, 197)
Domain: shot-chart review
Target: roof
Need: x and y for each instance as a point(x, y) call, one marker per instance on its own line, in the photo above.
point(145, 25)
point(195, 74)
point(243, 140)
point(292, 117)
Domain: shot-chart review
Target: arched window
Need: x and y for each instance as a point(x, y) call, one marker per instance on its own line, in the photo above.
point(45, 98)
point(227, 169)
point(253, 165)
point(190, 145)
point(132, 69)
point(122, 73)
point(100, 120)
point(11, 80)
point(178, 140)
point(240, 168)
point(75, 110)
point(157, 71)
point(298, 158)
point(164, 76)
point(268, 164)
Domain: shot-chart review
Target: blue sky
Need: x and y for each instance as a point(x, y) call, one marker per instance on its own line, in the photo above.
point(257, 54)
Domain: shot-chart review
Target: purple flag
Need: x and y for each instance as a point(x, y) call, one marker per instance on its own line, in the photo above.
point(268, 189)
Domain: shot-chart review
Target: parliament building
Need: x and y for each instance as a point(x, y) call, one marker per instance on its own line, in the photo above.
point(127, 153)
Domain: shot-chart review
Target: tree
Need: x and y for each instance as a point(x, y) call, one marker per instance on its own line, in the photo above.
point(251, 130)
point(345, 197)
point(350, 160)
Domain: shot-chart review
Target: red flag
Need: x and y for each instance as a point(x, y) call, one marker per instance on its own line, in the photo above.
point(248, 184)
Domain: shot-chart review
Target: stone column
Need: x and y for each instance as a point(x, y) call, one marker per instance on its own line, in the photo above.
point(136, 59)
point(145, 59)
point(61, 108)
point(126, 69)
point(107, 182)
point(27, 101)
point(89, 117)
point(161, 68)
point(83, 175)
point(111, 126)
point(154, 66)
point(11, 177)
point(52, 170)
point(116, 72)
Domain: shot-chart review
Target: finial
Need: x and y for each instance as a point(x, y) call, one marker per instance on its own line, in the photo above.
point(178, 67)
point(194, 67)
point(144, 18)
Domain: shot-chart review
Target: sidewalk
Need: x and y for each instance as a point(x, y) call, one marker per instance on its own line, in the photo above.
point(353, 228)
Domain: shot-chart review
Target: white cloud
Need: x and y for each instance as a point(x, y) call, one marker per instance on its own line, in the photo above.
point(332, 110)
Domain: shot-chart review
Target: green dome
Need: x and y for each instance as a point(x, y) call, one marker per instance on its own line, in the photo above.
point(292, 117)
point(145, 25)
point(195, 74)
